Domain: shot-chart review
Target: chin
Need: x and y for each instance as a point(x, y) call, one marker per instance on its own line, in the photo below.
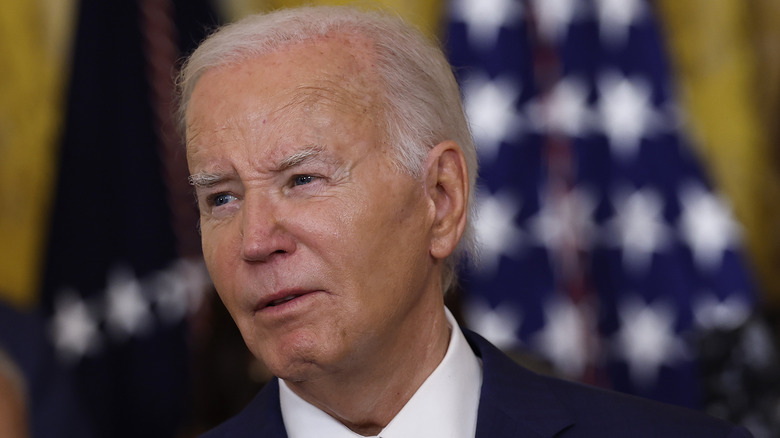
point(294, 369)
point(295, 362)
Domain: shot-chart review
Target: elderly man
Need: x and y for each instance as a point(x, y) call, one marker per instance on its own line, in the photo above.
point(333, 169)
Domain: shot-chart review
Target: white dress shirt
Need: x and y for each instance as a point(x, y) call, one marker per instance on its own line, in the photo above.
point(444, 406)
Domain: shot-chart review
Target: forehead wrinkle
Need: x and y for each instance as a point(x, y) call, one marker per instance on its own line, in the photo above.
point(309, 98)
point(340, 96)
point(195, 132)
point(192, 135)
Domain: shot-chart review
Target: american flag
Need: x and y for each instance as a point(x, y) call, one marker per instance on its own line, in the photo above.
point(123, 273)
point(606, 249)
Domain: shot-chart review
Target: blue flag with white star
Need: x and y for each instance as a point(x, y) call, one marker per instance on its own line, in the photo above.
point(605, 248)
point(122, 271)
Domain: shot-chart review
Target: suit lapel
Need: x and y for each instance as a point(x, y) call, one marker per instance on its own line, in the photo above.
point(262, 418)
point(514, 401)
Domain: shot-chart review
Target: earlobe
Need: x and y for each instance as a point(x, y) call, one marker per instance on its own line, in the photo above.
point(448, 189)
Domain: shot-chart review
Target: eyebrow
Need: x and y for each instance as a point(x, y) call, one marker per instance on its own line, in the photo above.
point(205, 179)
point(209, 179)
point(306, 154)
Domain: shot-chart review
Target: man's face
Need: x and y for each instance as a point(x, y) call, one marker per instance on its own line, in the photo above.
point(317, 245)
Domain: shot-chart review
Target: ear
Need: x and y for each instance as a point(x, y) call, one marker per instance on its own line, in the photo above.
point(447, 188)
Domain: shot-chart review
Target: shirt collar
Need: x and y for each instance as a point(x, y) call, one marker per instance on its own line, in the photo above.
point(445, 405)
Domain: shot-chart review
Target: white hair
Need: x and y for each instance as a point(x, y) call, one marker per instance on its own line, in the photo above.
point(422, 104)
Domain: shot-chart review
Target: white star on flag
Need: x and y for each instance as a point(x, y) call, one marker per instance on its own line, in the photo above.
point(616, 16)
point(485, 18)
point(497, 232)
point(180, 289)
point(706, 225)
point(564, 111)
point(498, 325)
point(565, 220)
point(74, 329)
point(564, 338)
point(627, 115)
point(646, 339)
point(639, 228)
point(127, 311)
point(490, 106)
point(554, 17)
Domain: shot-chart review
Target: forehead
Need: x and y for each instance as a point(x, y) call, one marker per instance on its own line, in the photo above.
point(335, 70)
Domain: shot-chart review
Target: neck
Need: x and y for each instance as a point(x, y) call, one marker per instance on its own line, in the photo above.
point(368, 396)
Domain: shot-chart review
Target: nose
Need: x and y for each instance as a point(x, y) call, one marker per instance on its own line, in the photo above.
point(264, 235)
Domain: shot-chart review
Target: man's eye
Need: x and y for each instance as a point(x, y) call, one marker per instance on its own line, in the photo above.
point(222, 199)
point(300, 180)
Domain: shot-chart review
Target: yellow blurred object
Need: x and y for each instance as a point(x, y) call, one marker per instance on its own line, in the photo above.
point(34, 43)
point(425, 14)
point(726, 58)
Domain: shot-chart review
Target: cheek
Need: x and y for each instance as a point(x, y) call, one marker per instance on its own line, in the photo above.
point(220, 253)
point(329, 227)
point(386, 242)
point(210, 254)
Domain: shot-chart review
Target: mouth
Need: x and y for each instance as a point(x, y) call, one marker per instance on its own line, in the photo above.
point(275, 303)
point(282, 298)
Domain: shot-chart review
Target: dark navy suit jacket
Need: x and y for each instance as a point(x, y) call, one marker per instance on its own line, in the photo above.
point(515, 402)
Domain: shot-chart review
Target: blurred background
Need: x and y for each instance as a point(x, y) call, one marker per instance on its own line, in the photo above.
point(628, 206)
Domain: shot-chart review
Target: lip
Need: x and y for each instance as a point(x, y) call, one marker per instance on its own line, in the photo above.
point(283, 299)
